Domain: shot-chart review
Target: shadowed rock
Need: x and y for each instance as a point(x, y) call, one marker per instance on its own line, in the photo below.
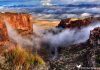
point(77, 22)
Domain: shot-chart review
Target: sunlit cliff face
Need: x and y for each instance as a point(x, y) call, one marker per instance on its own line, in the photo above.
point(19, 21)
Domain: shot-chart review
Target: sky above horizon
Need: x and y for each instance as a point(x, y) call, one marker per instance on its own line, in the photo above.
point(51, 9)
point(45, 2)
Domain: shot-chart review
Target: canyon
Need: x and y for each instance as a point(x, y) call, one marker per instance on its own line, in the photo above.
point(84, 54)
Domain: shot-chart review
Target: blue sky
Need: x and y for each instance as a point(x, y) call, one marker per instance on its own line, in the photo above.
point(45, 2)
point(19, 2)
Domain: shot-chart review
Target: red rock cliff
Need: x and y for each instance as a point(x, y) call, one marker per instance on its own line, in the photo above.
point(77, 22)
point(19, 21)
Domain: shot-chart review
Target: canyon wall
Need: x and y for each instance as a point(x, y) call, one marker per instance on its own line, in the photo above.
point(19, 21)
point(77, 22)
point(95, 37)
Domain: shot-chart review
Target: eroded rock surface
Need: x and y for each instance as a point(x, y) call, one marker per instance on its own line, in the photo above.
point(77, 22)
point(19, 21)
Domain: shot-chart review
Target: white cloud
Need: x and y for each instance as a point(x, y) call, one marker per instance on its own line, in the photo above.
point(46, 2)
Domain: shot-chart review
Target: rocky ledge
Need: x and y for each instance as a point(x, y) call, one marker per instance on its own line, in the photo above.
point(79, 56)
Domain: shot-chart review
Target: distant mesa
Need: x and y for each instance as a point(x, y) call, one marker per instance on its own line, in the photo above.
point(78, 22)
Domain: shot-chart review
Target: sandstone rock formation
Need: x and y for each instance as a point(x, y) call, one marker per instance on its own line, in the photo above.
point(19, 21)
point(77, 22)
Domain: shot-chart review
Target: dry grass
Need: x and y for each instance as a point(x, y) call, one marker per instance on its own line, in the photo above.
point(17, 58)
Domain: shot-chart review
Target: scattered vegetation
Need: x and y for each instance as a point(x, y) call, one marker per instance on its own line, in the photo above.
point(98, 60)
point(17, 58)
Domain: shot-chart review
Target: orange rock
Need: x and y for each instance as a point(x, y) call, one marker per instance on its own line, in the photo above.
point(18, 21)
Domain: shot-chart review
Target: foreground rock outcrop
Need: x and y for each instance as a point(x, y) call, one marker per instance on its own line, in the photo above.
point(80, 56)
point(95, 37)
